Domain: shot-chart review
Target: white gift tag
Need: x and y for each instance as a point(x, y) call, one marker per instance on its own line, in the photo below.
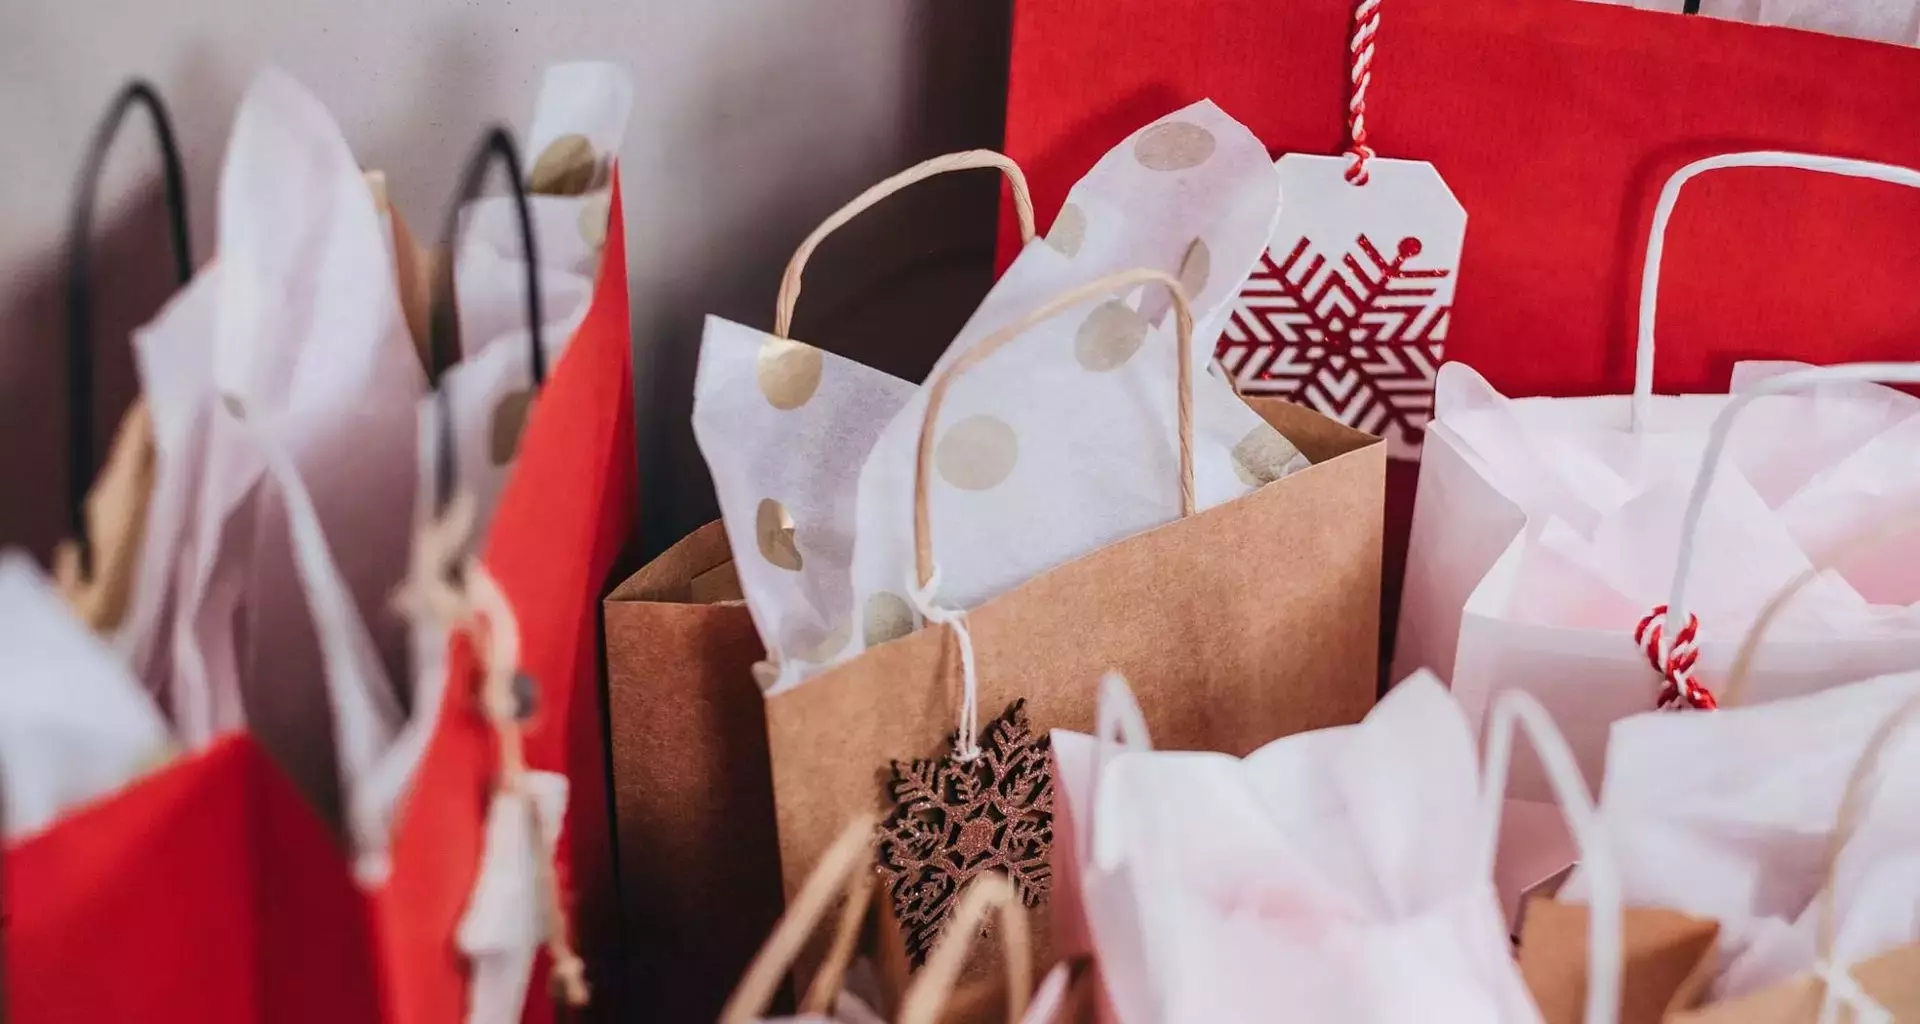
point(1348, 311)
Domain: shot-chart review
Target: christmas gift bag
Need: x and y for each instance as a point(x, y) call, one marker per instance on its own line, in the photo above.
point(1361, 857)
point(1549, 530)
point(564, 509)
point(120, 861)
point(701, 876)
point(1208, 612)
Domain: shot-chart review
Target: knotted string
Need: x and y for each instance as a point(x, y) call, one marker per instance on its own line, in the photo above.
point(1680, 689)
point(966, 746)
point(496, 633)
point(472, 602)
point(1845, 990)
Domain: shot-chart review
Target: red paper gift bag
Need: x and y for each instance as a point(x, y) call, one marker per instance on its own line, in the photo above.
point(1553, 122)
point(567, 508)
point(207, 892)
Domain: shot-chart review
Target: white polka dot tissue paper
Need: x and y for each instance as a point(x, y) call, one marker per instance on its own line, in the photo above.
point(1065, 439)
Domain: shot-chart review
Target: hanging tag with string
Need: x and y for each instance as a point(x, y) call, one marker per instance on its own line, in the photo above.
point(1347, 312)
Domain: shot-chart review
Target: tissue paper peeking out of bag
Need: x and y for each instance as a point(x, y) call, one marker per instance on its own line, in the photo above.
point(295, 333)
point(1065, 440)
point(1742, 838)
point(1353, 856)
point(579, 122)
point(74, 724)
point(785, 428)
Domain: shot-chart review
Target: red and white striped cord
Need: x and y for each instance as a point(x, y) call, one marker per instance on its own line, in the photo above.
point(1679, 689)
point(1366, 22)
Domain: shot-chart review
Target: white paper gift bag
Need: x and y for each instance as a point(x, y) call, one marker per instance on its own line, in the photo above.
point(1548, 533)
point(1345, 874)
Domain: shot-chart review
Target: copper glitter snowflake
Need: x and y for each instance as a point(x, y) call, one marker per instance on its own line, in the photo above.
point(954, 819)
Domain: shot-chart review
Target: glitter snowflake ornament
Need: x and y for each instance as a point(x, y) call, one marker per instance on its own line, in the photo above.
point(953, 819)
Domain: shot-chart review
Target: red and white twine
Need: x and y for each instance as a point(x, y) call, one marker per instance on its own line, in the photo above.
point(1679, 689)
point(1366, 22)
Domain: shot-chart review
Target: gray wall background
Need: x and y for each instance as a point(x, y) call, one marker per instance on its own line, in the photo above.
point(754, 120)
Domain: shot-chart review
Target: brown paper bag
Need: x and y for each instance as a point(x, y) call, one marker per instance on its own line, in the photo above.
point(1667, 961)
point(699, 868)
point(1251, 620)
point(700, 872)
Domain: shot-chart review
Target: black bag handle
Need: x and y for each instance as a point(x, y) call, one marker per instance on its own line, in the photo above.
point(443, 318)
point(80, 442)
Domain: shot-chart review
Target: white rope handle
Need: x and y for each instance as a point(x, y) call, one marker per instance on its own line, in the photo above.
point(1885, 373)
point(1119, 727)
point(1515, 710)
point(1663, 212)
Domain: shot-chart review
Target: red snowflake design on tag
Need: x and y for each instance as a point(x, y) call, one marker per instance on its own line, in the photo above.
point(1358, 339)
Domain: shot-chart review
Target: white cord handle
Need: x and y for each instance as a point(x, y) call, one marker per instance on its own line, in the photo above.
point(1513, 711)
point(1120, 727)
point(1886, 373)
point(1657, 242)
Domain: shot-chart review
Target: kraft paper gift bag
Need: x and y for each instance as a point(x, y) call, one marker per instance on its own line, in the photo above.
point(1549, 532)
point(1346, 874)
point(1249, 620)
point(693, 800)
point(701, 875)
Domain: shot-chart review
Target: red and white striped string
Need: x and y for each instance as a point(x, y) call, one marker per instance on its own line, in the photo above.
point(1679, 689)
point(1366, 22)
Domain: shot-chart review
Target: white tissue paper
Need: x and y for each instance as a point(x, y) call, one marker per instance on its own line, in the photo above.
point(1356, 858)
point(785, 428)
point(295, 335)
point(74, 723)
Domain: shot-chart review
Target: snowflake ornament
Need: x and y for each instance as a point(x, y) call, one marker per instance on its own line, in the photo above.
point(954, 819)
